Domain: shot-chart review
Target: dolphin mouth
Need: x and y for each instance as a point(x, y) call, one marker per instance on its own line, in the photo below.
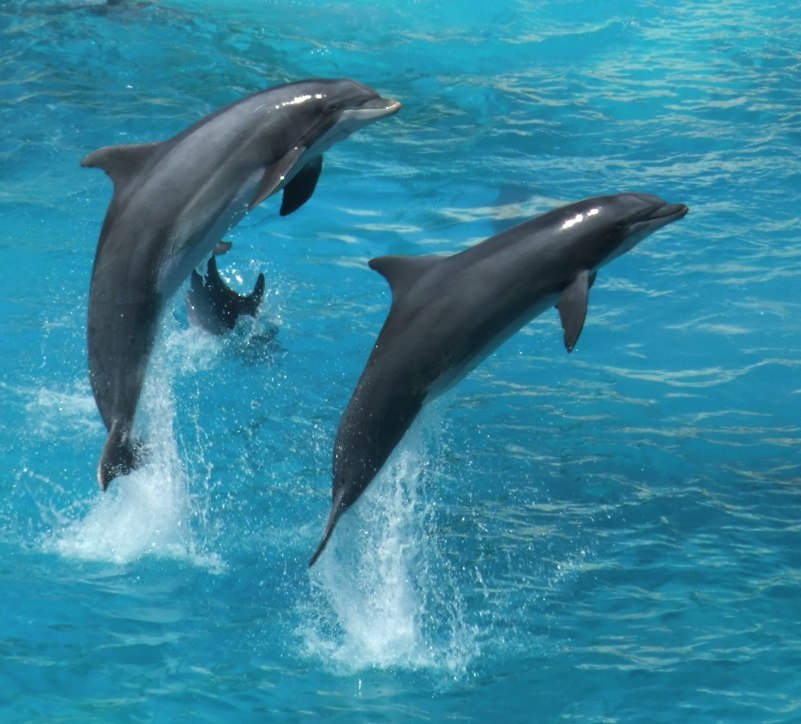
point(669, 212)
point(374, 109)
point(656, 217)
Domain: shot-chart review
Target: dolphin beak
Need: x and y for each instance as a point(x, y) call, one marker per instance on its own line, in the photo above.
point(393, 107)
point(670, 212)
point(657, 217)
point(373, 109)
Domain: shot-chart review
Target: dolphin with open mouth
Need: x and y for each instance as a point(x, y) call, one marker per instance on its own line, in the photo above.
point(174, 200)
point(450, 312)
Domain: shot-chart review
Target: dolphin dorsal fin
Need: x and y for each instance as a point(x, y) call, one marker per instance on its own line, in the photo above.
point(402, 272)
point(122, 163)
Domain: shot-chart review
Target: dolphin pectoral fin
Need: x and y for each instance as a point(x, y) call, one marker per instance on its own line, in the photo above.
point(572, 307)
point(119, 456)
point(123, 162)
point(275, 174)
point(300, 189)
point(402, 272)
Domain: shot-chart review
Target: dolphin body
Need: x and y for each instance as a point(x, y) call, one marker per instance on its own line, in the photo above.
point(173, 201)
point(212, 305)
point(450, 312)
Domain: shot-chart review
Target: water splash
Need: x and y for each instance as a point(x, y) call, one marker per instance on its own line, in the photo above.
point(149, 512)
point(383, 594)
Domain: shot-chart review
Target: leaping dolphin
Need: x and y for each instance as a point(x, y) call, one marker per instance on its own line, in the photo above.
point(449, 313)
point(173, 201)
point(212, 305)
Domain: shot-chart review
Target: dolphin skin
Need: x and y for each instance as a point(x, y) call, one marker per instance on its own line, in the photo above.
point(450, 312)
point(174, 200)
point(212, 305)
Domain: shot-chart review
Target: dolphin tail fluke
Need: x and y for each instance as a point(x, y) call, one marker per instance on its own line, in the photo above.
point(119, 456)
point(336, 511)
point(253, 300)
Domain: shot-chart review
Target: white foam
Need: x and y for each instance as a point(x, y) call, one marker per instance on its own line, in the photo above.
point(149, 512)
point(146, 513)
point(382, 593)
point(188, 350)
point(55, 409)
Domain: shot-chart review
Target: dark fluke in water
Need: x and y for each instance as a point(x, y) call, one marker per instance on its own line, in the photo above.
point(214, 306)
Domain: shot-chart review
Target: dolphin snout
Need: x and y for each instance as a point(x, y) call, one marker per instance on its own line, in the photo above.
point(379, 107)
point(671, 211)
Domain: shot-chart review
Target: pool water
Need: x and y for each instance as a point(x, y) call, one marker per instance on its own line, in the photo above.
point(610, 535)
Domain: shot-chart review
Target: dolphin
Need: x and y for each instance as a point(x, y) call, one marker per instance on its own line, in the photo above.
point(174, 200)
point(450, 312)
point(212, 305)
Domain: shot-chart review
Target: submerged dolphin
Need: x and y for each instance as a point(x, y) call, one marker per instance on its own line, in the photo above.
point(449, 313)
point(214, 306)
point(173, 201)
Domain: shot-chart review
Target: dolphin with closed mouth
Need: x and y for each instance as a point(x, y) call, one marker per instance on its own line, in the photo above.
point(174, 200)
point(450, 312)
point(212, 305)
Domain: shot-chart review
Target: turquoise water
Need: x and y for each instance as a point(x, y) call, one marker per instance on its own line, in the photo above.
point(611, 535)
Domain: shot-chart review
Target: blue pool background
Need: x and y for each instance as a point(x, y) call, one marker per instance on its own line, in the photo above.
point(611, 535)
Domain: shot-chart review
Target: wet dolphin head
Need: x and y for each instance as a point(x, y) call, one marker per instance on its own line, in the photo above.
point(615, 224)
point(333, 109)
point(641, 216)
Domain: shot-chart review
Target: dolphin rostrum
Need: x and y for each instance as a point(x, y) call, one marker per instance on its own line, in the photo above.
point(450, 312)
point(212, 305)
point(173, 201)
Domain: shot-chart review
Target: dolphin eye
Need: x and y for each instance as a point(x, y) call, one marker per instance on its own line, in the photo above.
point(333, 107)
